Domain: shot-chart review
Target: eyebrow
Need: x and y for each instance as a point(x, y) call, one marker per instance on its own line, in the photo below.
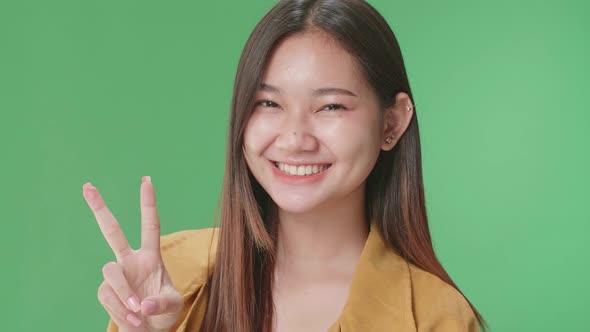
point(315, 93)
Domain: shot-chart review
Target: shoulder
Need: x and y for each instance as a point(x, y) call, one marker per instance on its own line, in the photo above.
point(189, 257)
point(439, 306)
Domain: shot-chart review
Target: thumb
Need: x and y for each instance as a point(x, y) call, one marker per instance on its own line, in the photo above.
point(163, 303)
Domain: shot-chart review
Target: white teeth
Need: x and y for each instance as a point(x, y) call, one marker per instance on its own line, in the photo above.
point(301, 170)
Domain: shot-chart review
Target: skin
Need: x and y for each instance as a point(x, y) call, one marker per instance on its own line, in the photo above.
point(321, 224)
point(137, 291)
point(322, 227)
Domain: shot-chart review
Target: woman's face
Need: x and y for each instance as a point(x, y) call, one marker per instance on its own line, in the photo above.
point(316, 130)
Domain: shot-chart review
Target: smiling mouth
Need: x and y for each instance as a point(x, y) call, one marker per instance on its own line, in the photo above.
point(301, 170)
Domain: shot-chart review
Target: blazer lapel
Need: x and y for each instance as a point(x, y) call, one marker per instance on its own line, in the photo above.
point(380, 294)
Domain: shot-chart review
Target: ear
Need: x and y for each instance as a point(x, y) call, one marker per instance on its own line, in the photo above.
point(396, 120)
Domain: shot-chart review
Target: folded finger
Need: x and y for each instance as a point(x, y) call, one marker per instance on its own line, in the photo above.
point(115, 276)
point(107, 223)
point(109, 300)
point(167, 302)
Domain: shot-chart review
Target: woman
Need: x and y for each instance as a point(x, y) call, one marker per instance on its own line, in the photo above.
point(323, 219)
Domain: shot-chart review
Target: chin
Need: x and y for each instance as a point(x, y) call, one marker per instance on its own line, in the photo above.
point(296, 204)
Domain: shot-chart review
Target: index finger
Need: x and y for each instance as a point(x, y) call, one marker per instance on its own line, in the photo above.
point(107, 223)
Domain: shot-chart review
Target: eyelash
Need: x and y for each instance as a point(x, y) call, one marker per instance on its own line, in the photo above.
point(340, 106)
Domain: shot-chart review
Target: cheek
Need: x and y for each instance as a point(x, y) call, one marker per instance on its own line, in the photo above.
point(358, 136)
point(258, 135)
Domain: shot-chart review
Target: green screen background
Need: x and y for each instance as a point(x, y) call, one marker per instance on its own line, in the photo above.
point(108, 91)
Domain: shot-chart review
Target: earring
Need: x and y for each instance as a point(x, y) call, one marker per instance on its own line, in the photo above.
point(389, 139)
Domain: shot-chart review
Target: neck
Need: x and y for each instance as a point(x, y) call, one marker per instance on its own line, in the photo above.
point(331, 236)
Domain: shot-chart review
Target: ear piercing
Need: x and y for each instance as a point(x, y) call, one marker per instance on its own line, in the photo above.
point(390, 138)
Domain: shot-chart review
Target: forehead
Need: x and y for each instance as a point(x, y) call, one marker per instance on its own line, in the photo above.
point(312, 58)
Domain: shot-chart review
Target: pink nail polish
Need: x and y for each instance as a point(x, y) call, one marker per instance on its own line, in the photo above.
point(89, 193)
point(149, 306)
point(131, 318)
point(134, 303)
point(87, 185)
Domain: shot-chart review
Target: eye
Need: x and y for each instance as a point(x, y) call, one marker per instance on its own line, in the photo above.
point(335, 107)
point(266, 103)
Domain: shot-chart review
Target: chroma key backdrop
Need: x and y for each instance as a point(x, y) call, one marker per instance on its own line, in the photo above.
point(108, 91)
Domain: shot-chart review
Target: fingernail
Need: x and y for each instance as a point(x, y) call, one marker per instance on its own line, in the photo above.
point(134, 303)
point(89, 193)
point(149, 305)
point(131, 318)
point(146, 179)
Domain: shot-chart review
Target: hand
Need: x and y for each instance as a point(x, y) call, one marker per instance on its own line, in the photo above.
point(137, 291)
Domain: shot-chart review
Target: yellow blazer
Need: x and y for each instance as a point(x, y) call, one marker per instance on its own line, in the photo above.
point(387, 293)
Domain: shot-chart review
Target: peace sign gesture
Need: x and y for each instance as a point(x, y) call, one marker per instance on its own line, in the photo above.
point(137, 291)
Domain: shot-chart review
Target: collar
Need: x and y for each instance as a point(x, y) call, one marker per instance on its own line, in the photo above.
point(379, 297)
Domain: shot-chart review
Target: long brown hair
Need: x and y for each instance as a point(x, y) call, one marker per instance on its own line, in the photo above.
point(240, 286)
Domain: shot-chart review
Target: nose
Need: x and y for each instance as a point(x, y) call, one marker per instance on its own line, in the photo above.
point(295, 134)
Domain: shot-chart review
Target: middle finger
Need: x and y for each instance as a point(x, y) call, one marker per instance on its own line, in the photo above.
point(150, 221)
